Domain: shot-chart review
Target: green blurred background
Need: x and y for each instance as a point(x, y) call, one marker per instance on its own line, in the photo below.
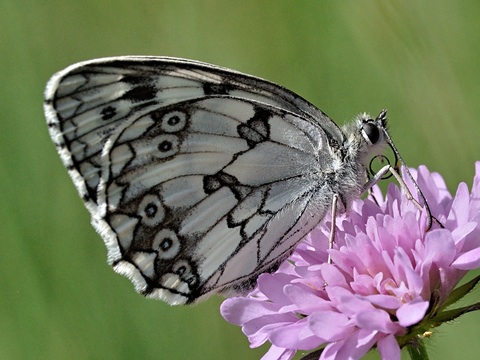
point(60, 300)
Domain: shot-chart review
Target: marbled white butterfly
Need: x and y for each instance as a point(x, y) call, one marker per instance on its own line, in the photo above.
point(197, 177)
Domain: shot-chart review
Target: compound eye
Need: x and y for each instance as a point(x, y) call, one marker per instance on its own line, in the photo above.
point(371, 132)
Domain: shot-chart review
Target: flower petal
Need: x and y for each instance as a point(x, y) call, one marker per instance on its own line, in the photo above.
point(277, 353)
point(240, 310)
point(330, 325)
point(376, 320)
point(388, 348)
point(468, 261)
point(295, 336)
point(412, 312)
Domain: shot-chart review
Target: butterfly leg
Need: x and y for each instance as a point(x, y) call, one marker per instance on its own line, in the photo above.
point(377, 177)
point(334, 224)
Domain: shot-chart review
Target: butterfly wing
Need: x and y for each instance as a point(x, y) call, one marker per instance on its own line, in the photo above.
point(198, 178)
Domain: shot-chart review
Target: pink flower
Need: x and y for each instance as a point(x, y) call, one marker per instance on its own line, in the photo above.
point(388, 282)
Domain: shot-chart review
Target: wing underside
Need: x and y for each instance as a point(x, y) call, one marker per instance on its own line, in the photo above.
point(197, 178)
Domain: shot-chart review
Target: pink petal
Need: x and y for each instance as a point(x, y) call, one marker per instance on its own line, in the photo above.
point(376, 320)
point(333, 276)
point(331, 351)
point(460, 233)
point(295, 336)
point(468, 261)
point(412, 312)
point(329, 325)
point(385, 301)
point(357, 345)
point(259, 330)
point(276, 353)
point(239, 310)
point(459, 211)
point(439, 247)
point(271, 285)
point(303, 298)
point(388, 348)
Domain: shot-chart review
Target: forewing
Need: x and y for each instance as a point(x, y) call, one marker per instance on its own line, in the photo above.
point(87, 102)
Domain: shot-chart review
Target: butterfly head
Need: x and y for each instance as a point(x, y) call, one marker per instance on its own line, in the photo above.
point(373, 130)
point(367, 137)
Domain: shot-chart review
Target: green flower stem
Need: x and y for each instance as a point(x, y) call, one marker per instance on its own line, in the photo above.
point(417, 350)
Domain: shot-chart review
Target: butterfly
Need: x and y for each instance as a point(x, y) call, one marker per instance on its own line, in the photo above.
point(197, 177)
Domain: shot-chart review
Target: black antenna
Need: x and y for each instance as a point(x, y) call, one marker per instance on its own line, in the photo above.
point(398, 159)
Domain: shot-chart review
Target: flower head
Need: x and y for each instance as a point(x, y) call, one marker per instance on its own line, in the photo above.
point(388, 281)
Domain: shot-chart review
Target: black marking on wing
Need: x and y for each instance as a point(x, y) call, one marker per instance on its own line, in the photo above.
point(108, 112)
point(137, 79)
point(212, 183)
point(216, 89)
point(257, 129)
point(140, 93)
